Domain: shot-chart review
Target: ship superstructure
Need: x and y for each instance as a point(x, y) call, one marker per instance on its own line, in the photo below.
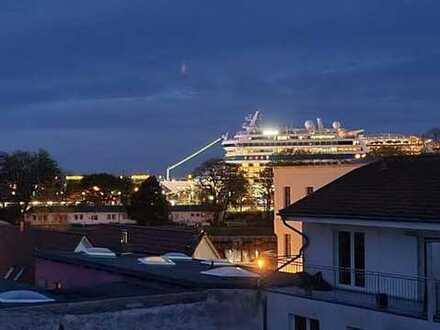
point(256, 144)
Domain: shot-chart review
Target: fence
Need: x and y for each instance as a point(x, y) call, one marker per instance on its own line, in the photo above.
point(400, 293)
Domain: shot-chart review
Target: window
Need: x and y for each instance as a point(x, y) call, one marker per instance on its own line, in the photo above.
point(287, 245)
point(94, 217)
point(309, 190)
point(297, 322)
point(113, 216)
point(351, 258)
point(124, 238)
point(108, 216)
point(300, 323)
point(286, 196)
point(80, 217)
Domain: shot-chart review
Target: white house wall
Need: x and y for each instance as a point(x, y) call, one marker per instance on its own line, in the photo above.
point(386, 250)
point(333, 316)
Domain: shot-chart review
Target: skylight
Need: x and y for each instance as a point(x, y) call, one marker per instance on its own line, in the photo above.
point(23, 297)
point(177, 256)
point(230, 272)
point(99, 252)
point(156, 260)
point(86, 247)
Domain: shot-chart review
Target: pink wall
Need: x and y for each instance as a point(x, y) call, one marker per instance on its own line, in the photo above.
point(70, 276)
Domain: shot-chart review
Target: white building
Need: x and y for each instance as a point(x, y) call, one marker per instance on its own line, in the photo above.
point(81, 215)
point(372, 242)
point(292, 182)
point(192, 214)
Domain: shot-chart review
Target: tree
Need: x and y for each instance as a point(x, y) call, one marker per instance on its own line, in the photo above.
point(28, 175)
point(103, 188)
point(149, 205)
point(265, 187)
point(221, 185)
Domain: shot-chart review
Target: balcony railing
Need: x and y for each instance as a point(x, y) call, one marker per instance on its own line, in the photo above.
point(402, 294)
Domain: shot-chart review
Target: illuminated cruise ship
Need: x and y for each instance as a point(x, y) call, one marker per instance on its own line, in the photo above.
point(256, 145)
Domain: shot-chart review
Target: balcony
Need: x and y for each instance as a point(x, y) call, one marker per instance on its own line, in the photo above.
point(405, 295)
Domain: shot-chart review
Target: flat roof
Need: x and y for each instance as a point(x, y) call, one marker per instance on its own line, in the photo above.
point(184, 274)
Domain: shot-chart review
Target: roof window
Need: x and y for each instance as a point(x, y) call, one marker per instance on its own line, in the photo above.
point(177, 256)
point(229, 272)
point(156, 261)
point(23, 297)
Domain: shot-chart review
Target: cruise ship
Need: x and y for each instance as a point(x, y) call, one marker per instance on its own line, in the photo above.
point(256, 145)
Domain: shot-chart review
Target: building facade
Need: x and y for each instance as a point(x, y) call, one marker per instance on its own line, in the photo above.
point(371, 243)
point(77, 215)
point(293, 182)
point(192, 215)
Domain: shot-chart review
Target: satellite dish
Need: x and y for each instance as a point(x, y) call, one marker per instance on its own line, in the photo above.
point(309, 125)
point(336, 125)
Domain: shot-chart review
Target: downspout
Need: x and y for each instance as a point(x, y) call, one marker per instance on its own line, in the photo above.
point(303, 247)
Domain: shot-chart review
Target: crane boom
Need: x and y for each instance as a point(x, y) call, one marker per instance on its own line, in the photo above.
point(194, 154)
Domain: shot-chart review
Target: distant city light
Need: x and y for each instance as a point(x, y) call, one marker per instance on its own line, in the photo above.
point(74, 177)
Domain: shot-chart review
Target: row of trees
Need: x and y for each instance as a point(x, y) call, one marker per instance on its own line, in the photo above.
point(225, 186)
point(28, 176)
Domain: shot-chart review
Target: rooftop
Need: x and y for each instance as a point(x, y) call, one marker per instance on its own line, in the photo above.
point(395, 188)
point(264, 231)
point(184, 273)
point(47, 239)
point(154, 240)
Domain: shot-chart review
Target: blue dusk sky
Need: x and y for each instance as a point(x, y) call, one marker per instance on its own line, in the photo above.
point(134, 85)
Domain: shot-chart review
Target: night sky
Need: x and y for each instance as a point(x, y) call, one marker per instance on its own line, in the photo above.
point(133, 85)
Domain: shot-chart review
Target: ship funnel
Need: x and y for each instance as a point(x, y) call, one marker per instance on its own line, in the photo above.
point(320, 123)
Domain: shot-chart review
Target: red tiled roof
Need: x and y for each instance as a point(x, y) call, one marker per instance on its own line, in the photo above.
point(46, 239)
point(396, 188)
point(146, 240)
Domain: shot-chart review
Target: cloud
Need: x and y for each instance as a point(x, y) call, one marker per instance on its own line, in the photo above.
point(108, 73)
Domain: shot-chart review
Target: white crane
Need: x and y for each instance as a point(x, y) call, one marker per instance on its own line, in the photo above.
point(194, 154)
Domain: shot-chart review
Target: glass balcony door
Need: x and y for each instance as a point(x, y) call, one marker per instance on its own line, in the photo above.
point(351, 258)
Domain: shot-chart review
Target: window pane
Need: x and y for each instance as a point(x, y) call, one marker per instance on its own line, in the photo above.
point(344, 257)
point(300, 323)
point(286, 196)
point(314, 324)
point(287, 245)
point(359, 258)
